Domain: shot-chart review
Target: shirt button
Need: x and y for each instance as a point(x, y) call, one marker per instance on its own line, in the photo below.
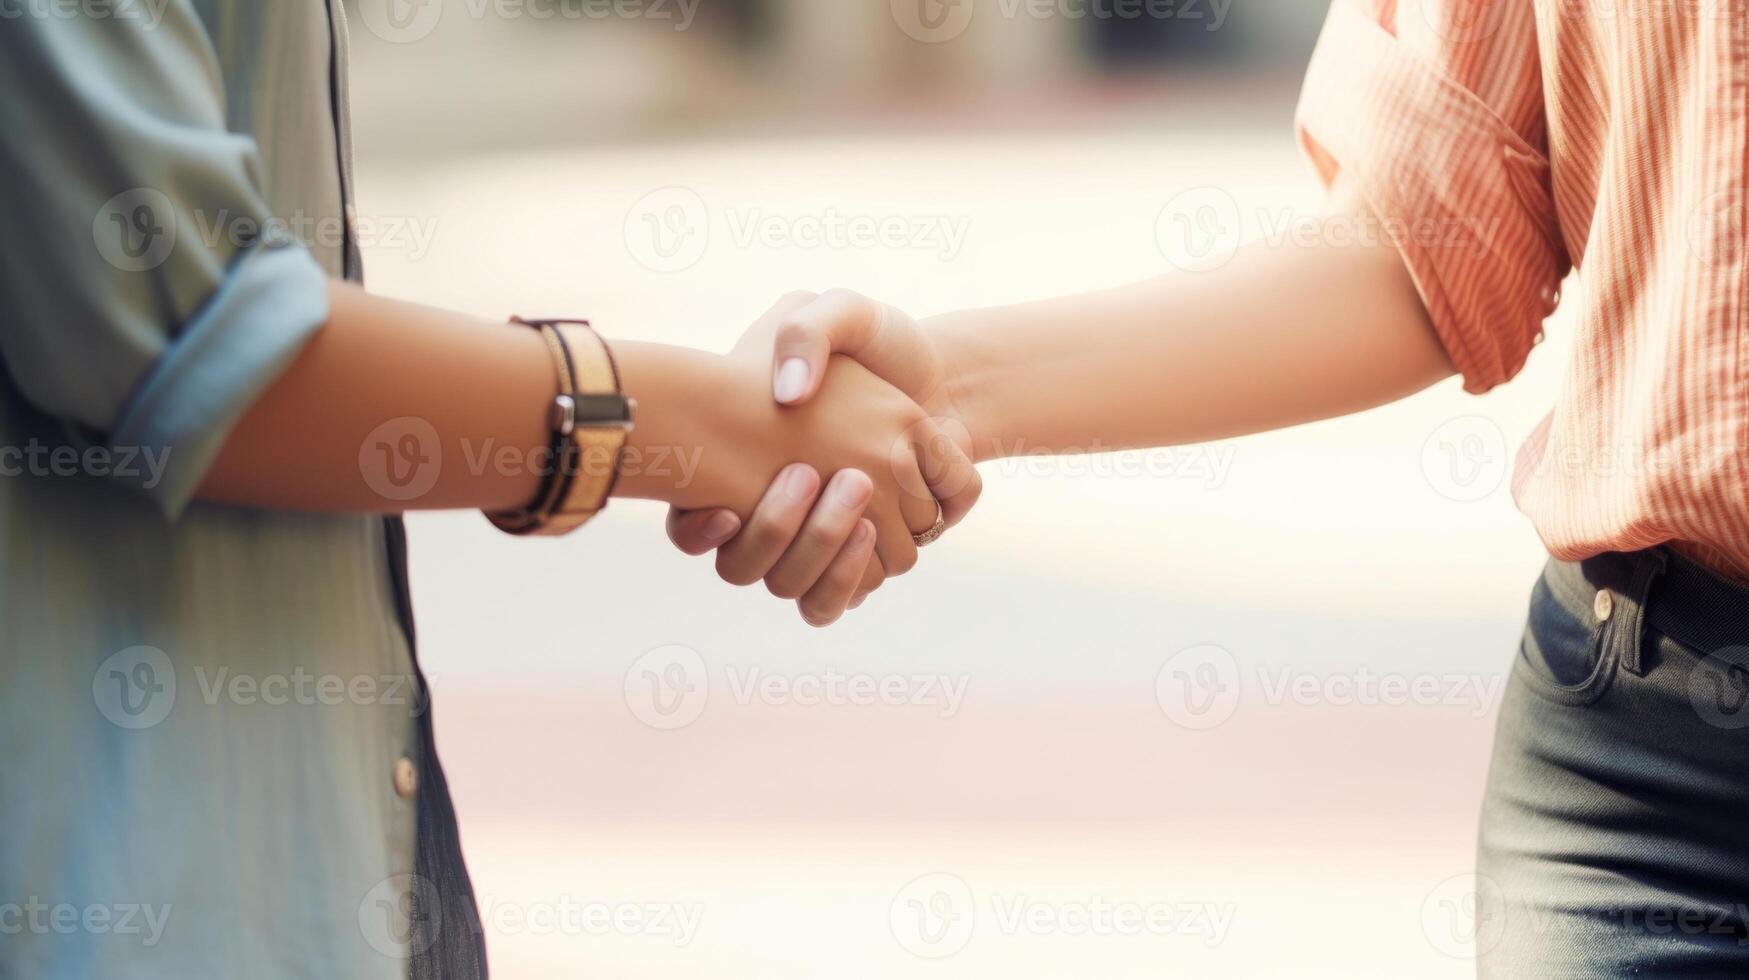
point(406, 778)
point(1604, 605)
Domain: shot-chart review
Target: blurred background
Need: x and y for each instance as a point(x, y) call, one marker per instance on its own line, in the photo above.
point(1216, 711)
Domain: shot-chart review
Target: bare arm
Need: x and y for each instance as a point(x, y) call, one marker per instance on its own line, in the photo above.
point(383, 370)
point(1276, 337)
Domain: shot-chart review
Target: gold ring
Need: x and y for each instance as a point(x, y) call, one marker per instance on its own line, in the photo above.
point(935, 530)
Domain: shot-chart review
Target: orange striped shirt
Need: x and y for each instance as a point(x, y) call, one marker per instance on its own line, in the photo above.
point(1607, 137)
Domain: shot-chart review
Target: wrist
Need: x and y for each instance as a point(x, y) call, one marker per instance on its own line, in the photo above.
point(690, 409)
point(967, 392)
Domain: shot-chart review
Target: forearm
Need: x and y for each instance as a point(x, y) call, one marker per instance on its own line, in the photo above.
point(387, 383)
point(1279, 336)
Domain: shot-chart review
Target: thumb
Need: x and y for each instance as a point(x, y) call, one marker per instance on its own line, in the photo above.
point(840, 321)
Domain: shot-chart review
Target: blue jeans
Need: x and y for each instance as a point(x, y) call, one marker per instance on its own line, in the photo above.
point(1615, 830)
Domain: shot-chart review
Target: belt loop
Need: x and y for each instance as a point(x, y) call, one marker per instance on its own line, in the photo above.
point(1630, 626)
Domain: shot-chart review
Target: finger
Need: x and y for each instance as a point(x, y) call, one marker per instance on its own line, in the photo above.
point(760, 333)
point(884, 339)
point(872, 578)
point(939, 457)
point(831, 594)
point(698, 531)
point(823, 536)
point(893, 542)
point(774, 523)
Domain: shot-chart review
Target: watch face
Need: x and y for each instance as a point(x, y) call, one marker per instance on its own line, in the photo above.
point(603, 410)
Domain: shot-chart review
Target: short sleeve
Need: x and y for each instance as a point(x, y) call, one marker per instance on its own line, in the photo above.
point(144, 300)
point(1434, 109)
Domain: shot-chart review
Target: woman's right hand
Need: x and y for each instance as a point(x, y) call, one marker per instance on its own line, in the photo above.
point(879, 452)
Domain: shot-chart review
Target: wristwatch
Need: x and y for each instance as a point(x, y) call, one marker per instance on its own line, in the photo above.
point(591, 418)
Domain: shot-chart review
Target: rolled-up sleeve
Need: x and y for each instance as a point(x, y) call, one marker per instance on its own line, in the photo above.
point(1434, 110)
point(145, 297)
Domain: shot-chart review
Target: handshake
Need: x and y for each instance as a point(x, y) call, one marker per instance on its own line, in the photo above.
point(825, 449)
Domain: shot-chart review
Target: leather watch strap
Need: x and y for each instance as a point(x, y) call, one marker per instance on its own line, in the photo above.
point(591, 420)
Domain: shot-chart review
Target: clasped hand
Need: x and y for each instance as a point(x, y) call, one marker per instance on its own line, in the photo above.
point(862, 462)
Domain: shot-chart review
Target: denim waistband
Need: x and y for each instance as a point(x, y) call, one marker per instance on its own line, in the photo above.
point(1664, 592)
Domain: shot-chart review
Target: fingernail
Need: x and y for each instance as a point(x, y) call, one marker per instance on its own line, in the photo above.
point(720, 526)
point(799, 484)
point(857, 601)
point(792, 380)
point(863, 534)
point(851, 490)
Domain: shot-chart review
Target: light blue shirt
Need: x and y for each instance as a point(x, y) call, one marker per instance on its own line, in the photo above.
point(212, 743)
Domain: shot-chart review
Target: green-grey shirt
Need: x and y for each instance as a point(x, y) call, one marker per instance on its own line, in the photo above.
point(213, 750)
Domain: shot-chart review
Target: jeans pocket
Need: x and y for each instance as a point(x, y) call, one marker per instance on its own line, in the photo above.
point(1563, 655)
